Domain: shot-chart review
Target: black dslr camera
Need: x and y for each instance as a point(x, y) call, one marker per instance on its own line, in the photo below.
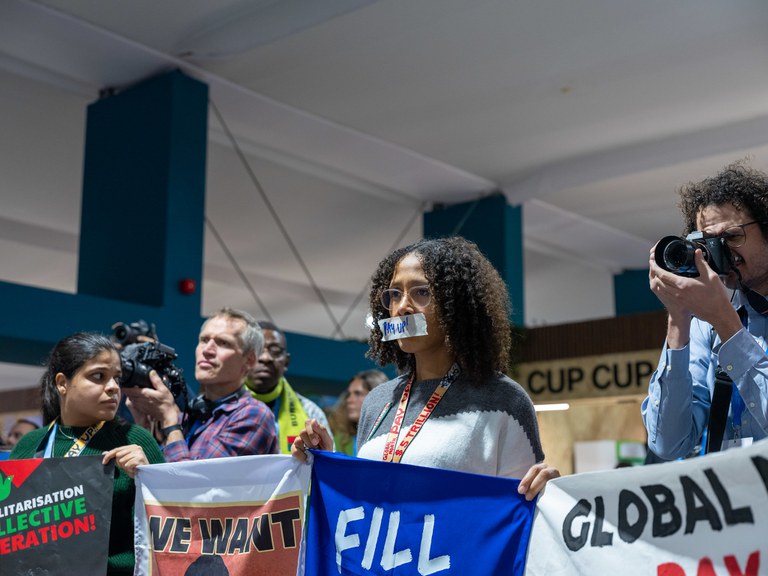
point(138, 359)
point(677, 255)
point(125, 334)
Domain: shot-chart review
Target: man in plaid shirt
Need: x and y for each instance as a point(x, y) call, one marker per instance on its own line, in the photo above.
point(224, 420)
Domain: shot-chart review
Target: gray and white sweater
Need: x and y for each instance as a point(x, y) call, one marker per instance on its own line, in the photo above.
point(488, 428)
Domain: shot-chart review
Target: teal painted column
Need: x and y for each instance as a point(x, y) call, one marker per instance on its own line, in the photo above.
point(142, 231)
point(632, 295)
point(143, 208)
point(497, 229)
point(144, 192)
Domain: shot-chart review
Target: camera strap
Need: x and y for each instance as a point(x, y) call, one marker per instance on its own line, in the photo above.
point(724, 396)
point(757, 301)
point(718, 410)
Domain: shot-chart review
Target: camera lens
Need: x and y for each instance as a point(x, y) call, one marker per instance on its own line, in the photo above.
point(121, 333)
point(677, 255)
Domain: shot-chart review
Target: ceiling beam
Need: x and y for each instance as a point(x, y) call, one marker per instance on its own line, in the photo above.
point(728, 139)
point(75, 55)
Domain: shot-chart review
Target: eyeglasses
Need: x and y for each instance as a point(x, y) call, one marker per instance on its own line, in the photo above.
point(420, 296)
point(737, 235)
point(274, 350)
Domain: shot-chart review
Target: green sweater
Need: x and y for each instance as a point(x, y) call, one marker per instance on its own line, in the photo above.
point(111, 435)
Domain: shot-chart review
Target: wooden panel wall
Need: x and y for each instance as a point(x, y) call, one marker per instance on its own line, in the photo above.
point(606, 336)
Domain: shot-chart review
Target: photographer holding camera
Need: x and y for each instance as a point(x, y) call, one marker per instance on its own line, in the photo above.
point(224, 420)
point(711, 384)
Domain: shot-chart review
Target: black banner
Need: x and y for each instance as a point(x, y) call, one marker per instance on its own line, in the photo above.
point(55, 515)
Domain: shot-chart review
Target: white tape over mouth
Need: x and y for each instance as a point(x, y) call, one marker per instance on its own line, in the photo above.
point(403, 327)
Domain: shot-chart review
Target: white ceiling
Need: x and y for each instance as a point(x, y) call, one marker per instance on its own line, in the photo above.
point(356, 116)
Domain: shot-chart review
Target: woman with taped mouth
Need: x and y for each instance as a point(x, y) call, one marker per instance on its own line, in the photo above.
point(80, 394)
point(445, 311)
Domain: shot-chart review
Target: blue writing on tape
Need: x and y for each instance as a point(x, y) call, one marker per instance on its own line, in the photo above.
point(403, 326)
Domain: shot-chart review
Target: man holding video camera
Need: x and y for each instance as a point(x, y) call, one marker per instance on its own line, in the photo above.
point(711, 385)
point(224, 420)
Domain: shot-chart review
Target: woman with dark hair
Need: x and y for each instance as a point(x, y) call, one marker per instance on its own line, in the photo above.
point(441, 315)
point(346, 414)
point(80, 395)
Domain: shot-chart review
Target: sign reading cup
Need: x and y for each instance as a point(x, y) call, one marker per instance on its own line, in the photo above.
point(588, 376)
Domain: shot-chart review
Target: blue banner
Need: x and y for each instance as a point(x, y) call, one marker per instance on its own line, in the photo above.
point(370, 517)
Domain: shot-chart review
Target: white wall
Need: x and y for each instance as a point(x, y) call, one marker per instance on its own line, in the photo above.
point(559, 291)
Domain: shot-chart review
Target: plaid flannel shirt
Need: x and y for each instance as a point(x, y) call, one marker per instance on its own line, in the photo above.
point(242, 427)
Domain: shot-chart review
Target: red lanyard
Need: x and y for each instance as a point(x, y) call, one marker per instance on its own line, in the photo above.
point(394, 455)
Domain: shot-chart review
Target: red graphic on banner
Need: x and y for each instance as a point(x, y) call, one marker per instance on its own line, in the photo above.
point(19, 469)
point(249, 538)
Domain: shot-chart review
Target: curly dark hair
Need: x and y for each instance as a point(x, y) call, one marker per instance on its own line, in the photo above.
point(745, 188)
point(471, 301)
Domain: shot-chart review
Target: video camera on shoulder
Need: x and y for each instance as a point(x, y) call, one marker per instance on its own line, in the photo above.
point(677, 255)
point(140, 356)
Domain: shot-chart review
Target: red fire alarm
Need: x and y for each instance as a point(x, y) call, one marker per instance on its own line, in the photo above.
point(187, 286)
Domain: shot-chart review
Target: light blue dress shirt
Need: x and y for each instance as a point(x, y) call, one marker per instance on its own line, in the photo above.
point(676, 410)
